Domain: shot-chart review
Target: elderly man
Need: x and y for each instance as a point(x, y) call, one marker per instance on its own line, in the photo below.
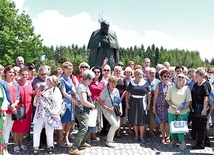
point(20, 61)
point(103, 44)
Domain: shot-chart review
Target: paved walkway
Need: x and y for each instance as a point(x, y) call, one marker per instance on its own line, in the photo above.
point(126, 146)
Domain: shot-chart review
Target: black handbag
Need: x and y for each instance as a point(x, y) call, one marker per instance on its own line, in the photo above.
point(20, 113)
point(116, 107)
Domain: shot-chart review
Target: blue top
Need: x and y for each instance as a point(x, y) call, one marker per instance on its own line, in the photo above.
point(4, 84)
point(67, 84)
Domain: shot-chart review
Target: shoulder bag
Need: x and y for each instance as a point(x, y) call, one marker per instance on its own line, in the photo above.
point(116, 106)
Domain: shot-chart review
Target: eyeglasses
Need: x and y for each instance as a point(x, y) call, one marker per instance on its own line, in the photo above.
point(210, 72)
point(166, 76)
point(96, 72)
point(106, 70)
point(120, 65)
point(181, 77)
point(84, 67)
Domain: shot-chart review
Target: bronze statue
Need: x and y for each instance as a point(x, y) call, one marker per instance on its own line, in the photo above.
point(103, 44)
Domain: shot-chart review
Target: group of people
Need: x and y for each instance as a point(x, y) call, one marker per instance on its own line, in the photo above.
point(147, 97)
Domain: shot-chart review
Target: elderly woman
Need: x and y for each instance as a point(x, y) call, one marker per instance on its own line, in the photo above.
point(82, 67)
point(48, 105)
point(138, 100)
point(152, 83)
point(20, 127)
point(176, 96)
point(160, 105)
point(200, 102)
point(106, 101)
point(106, 72)
point(82, 111)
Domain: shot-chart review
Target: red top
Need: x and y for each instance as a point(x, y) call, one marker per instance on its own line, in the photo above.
point(13, 95)
point(96, 88)
point(26, 92)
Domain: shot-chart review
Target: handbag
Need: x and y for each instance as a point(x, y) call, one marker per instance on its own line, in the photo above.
point(62, 107)
point(20, 113)
point(54, 122)
point(116, 106)
point(178, 127)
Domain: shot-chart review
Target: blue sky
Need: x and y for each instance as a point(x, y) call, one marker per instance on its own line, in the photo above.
point(183, 24)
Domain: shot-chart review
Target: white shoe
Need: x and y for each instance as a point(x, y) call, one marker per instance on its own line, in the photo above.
point(110, 144)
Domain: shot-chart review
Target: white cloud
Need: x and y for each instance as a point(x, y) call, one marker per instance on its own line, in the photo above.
point(56, 29)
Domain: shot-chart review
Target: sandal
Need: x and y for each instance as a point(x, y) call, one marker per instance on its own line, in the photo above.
point(167, 140)
point(35, 151)
point(23, 147)
point(61, 144)
point(50, 150)
point(16, 149)
point(163, 141)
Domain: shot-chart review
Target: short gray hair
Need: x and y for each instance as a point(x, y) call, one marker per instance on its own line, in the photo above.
point(88, 75)
point(42, 68)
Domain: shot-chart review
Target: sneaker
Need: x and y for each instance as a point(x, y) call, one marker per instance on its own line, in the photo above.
point(85, 145)
point(23, 147)
point(182, 147)
point(51, 150)
point(75, 152)
point(16, 149)
point(110, 144)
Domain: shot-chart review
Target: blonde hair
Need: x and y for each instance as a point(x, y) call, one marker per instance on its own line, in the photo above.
point(55, 80)
point(84, 64)
point(66, 65)
point(113, 79)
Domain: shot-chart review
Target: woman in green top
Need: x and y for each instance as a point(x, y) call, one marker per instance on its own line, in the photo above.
point(3, 107)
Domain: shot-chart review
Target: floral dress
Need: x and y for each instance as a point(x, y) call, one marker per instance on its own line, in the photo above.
point(162, 105)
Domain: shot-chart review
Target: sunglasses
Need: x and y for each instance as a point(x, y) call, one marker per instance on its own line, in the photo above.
point(166, 76)
point(84, 67)
point(106, 70)
point(96, 72)
point(181, 77)
point(43, 74)
point(120, 65)
point(210, 72)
